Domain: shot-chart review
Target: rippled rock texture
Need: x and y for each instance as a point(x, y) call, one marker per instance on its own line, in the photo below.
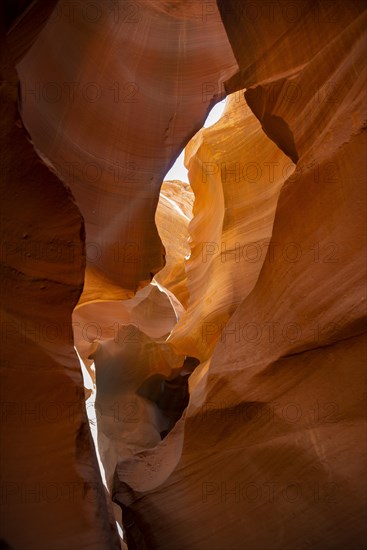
point(220, 324)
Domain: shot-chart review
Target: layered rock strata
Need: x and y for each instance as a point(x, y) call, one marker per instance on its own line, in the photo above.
point(259, 310)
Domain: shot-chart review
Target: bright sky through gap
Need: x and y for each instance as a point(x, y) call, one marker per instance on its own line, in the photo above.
point(178, 170)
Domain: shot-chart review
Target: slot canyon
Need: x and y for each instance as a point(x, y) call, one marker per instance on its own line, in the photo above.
point(183, 359)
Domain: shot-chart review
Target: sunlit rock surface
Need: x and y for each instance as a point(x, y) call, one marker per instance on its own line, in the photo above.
point(152, 310)
point(229, 390)
point(236, 173)
point(174, 213)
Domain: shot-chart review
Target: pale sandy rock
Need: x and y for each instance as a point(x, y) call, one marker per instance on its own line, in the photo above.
point(127, 420)
point(152, 310)
point(174, 213)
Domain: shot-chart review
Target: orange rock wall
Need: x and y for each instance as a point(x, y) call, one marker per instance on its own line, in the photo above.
point(259, 268)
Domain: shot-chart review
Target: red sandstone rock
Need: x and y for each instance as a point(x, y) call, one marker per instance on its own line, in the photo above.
point(133, 67)
point(270, 446)
point(51, 490)
point(270, 451)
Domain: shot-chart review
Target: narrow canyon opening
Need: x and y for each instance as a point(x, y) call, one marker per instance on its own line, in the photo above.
point(219, 316)
point(153, 403)
point(136, 354)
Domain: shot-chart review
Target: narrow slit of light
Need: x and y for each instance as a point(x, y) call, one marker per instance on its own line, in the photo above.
point(178, 170)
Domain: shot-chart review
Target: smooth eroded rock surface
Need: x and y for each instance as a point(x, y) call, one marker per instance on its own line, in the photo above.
point(51, 490)
point(110, 103)
point(220, 323)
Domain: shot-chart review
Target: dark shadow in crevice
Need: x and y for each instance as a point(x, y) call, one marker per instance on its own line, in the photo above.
point(170, 396)
point(133, 534)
